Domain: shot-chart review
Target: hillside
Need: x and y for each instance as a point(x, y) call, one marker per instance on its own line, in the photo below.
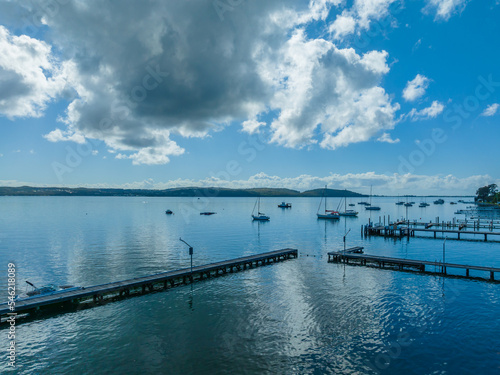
point(174, 192)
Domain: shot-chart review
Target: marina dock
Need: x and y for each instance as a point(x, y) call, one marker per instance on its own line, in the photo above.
point(399, 231)
point(409, 264)
point(98, 294)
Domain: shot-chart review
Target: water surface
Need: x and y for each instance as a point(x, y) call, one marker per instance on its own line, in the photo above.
point(299, 316)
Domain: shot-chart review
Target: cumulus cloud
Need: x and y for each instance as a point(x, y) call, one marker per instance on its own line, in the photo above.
point(58, 135)
point(320, 87)
point(30, 77)
point(444, 9)
point(491, 110)
point(160, 69)
point(385, 137)
point(434, 110)
point(252, 126)
point(359, 17)
point(416, 88)
point(343, 25)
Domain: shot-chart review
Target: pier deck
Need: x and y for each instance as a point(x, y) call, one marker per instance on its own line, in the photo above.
point(402, 231)
point(141, 285)
point(407, 264)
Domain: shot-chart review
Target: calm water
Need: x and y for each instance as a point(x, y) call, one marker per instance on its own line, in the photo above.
point(296, 317)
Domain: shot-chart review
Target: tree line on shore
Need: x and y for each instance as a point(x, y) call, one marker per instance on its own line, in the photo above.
point(488, 194)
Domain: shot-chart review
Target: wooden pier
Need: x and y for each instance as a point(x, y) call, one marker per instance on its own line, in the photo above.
point(408, 264)
point(394, 230)
point(98, 294)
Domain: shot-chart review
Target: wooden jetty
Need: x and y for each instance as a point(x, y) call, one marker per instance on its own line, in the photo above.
point(394, 230)
point(99, 293)
point(408, 264)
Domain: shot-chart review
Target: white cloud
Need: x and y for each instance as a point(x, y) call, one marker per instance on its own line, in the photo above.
point(152, 155)
point(1, 155)
point(416, 88)
point(155, 76)
point(435, 109)
point(343, 25)
point(491, 110)
point(445, 8)
point(359, 17)
point(417, 45)
point(58, 135)
point(385, 137)
point(252, 126)
point(322, 89)
point(384, 184)
point(29, 76)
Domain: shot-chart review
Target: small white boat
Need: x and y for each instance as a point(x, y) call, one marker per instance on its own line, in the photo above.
point(46, 290)
point(260, 215)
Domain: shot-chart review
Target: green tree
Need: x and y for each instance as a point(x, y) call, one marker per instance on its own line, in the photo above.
point(486, 193)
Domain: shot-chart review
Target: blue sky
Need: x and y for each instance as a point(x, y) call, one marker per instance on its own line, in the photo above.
point(402, 95)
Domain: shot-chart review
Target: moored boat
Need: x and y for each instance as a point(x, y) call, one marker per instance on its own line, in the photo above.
point(346, 212)
point(285, 205)
point(328, 214)
point(369, 206)
point(260, 215)
point(46, 290)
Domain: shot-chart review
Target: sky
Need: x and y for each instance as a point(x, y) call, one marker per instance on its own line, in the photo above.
point(401, 95)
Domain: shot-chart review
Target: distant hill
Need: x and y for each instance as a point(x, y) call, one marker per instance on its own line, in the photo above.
point(330, 193)
point(174, 192)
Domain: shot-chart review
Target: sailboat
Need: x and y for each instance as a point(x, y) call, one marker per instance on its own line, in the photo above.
point(347, 212)
point(329, 214)
point(424, 204)
point(260, 215)
point(370, 207)
point(399, 203)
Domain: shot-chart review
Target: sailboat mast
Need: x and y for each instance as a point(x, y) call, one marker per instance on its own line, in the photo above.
point(325, 196)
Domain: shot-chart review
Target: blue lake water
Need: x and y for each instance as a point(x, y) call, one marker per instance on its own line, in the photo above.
point(296, 317)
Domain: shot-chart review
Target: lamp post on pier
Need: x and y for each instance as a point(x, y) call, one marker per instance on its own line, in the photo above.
point(190, 254)
point(345, 235)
